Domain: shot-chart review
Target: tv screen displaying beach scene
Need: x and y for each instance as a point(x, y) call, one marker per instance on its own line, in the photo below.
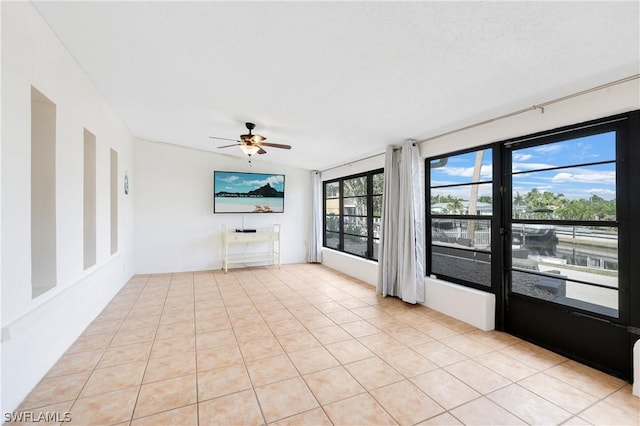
point(241, 192)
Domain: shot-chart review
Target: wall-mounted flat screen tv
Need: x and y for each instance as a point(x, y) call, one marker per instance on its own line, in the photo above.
point(241, 192)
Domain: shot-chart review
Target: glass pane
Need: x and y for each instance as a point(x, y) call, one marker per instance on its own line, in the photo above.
point(533, 240)
point(356, 206)
point(376, 248)
point(556, 287)
point(355, 245)
point(377, 222)
point(470, 167)
point(574, 193)
point(355, 186)
point(588, 149)
point(467, 265)
point(584, 253)
point(332, 223)
point(461, 233)
point(377, 205)
point(378, 183)
point(332, 189)
point(474, 199)
point(332, 206)
point(332, 239)
point(355, 225)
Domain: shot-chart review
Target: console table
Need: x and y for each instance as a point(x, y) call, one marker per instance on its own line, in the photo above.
point(269, 238)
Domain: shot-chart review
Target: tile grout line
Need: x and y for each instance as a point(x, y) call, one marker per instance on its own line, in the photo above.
point(106, 347)
point(310, 288)
point(135, 404)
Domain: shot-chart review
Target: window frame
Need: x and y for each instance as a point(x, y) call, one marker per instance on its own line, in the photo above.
point(617, 124)
point(628, 202)
point(342, 215)
point(495, 218)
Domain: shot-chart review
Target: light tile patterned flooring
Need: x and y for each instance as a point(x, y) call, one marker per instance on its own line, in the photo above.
point(307, 345)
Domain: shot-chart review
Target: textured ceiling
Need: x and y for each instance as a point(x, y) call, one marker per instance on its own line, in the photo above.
point(338, 80)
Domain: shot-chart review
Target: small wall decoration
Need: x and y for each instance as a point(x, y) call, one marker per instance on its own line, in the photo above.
point(126, 183)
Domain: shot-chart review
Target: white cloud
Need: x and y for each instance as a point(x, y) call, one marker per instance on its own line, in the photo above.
point(586, 176)
point(521, 157)
point(601, 191)
point(485, 171)
point(563, 177)
point(462, 192)
point(275, 180)
point(548, 148)
point(262, 182)
point(230, 179)
point(271, 180)
point(521, 167)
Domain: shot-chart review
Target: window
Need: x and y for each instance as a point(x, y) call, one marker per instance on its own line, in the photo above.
point(461, 217)
point(352, 207)
point(564, 223)
point(539, 216)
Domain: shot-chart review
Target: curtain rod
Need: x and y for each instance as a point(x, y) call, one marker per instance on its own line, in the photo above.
point(415, 143)
point(540, 106)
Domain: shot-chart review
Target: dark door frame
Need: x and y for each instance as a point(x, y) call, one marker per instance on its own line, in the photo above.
point(584, 335)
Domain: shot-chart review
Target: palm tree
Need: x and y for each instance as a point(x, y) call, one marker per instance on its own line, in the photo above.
point(518, 201)
point(533, 199)
point(455, 206)
point(473, 196)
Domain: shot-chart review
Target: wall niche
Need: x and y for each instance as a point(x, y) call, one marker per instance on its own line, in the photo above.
point(43, 194)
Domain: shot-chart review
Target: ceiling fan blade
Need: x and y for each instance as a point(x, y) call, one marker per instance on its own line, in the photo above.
point(274, 145)
point(262, 151)
point(227, 146)
point(224, 139)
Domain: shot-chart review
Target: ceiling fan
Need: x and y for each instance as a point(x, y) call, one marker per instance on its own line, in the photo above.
point(251, 144)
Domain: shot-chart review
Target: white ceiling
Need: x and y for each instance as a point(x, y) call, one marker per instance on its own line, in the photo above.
point(338, 80)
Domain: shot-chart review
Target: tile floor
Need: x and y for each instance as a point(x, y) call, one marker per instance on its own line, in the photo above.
point(307, 345)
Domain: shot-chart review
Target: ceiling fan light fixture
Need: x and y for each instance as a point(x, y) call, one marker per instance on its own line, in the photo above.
point(257, 138)
point(250, 149)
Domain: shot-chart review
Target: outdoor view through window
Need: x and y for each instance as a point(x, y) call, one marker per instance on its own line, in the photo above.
point(564, 222)
point(564, 230)
point(352, 208)
point(461, 216)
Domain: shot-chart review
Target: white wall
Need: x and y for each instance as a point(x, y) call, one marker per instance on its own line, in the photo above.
point(35, 332)
point(175, 228)
point(355, 167)
point(1, 234)
point(613, 100)
point(472, 306)
point(357, 267)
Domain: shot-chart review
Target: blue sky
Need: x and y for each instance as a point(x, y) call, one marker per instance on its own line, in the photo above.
point(245, 182)
point(573, 182)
